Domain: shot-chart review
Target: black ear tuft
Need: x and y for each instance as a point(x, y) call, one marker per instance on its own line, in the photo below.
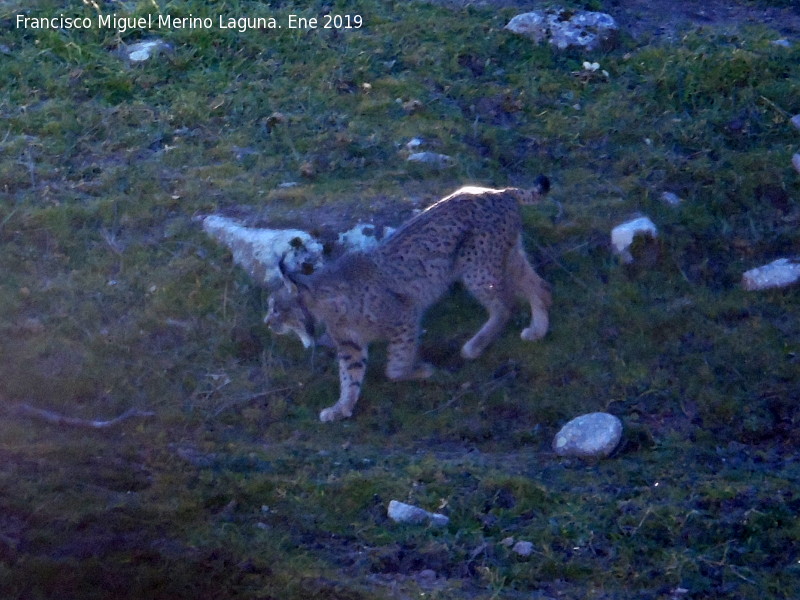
point(542, 184)
point(290, 280)
point(282, 266)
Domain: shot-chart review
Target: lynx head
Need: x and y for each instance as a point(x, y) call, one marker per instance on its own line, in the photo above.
point(287, 311)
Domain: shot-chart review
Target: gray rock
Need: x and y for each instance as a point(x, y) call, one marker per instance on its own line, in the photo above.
point(567, 28)
point(795, 120)
point(778, 273)
point(796, 162)
point(400, 512)
point(523, 548)
point(587, 436)
point(144, 50)
point(432, 159)
point(671, 198)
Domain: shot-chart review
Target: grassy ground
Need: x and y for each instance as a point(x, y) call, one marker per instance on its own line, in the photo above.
point(111, 298)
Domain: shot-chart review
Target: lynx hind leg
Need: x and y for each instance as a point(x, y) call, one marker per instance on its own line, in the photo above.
point(402, 362)
point(490, 292)
point(527, 284)
point(352, 366)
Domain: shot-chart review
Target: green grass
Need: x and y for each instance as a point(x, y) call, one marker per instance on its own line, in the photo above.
point(112, 297)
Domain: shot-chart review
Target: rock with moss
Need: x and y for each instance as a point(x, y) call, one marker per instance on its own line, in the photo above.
point(594, 435)
point(568, 28)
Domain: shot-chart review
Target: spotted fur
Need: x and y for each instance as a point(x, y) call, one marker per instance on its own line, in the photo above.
point(471, 236)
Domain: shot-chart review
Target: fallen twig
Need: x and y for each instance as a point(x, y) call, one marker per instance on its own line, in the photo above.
point(59, 419)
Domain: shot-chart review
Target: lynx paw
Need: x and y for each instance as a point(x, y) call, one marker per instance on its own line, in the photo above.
point(334, 413)
point(470, 351)
point(536, 332)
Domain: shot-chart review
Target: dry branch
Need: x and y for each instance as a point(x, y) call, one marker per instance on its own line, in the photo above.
point(59, 419)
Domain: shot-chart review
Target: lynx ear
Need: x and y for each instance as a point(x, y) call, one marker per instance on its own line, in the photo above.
point(291, 282)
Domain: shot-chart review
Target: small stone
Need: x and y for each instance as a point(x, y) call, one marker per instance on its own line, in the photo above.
point(413, 106)
point(796, 162)
point(144, 50)
point(671, 199)
point(782, 43)
point(587, 436)
point(795, 120)
point(507, 542)
point(274, 119)
point(431, 159)
point(622, 236)
point(400, 512)
point(426, 578)
point(778, 273)
point(523, 548)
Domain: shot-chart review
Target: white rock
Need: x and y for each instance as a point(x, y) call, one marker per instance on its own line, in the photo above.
point(622, 236)
point(592, 435)
point(782, 43)
point(523, 548)
point(432, 159)
point(796, 162)
point(778, 273)
point(400, 512)
point(141, 51)
point(795, 120)
point(362, 237)
point(671, 199)
point(564, 29)
point(258, 251)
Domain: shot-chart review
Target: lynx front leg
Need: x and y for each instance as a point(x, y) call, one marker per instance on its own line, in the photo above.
point(352, 366)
